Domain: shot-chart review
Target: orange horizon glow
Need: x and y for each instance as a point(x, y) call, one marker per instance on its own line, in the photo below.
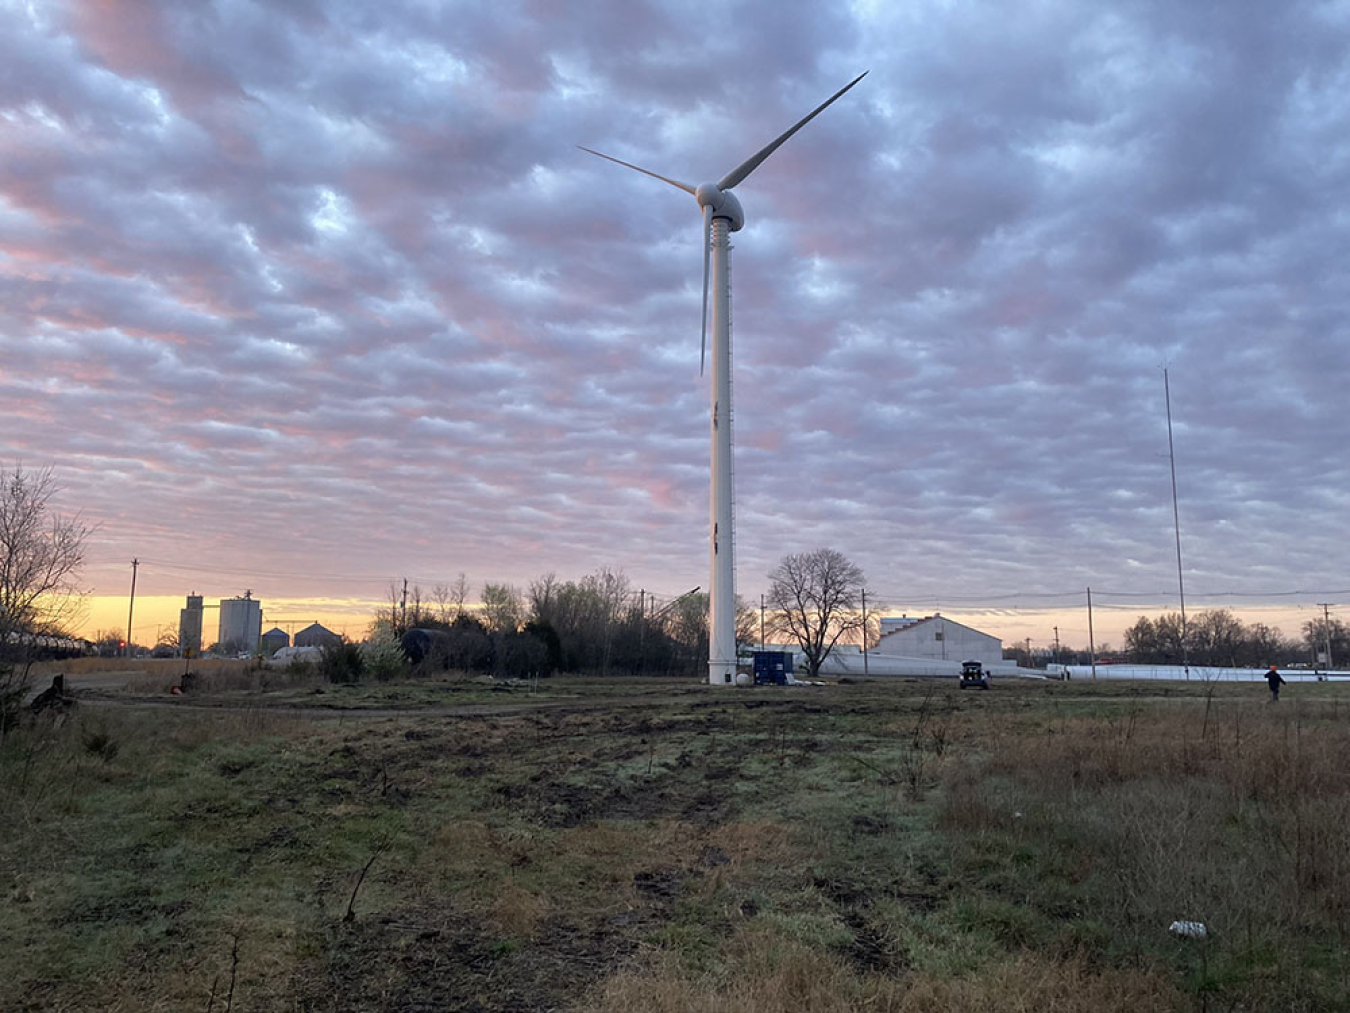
point(352, 617)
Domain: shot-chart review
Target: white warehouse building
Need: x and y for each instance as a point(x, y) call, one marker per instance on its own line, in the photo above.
point(937, 638)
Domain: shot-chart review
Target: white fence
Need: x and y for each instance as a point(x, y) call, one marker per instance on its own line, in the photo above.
point(1198, 673)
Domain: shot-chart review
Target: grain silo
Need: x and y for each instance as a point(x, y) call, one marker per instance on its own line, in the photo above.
point(274, 640)
point(315, 635)
point(240, 624)
point(190, 627)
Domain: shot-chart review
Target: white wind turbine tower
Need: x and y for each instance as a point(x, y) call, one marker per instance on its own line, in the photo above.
point(722, 215)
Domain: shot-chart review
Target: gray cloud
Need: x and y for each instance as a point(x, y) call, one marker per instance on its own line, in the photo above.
point(330, 288)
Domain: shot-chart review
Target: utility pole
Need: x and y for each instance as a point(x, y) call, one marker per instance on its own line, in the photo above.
point(762, 645)
point(1326, 628)
point(642, 631)
point(131, 608)
point(1056, 645)
point(1092, 646)
point(404, 607)
point(864, 640)
point(1176, 522)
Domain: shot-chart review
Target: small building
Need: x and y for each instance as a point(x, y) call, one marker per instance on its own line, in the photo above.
point(315, 635)
point(938, 638)
point(274, 640)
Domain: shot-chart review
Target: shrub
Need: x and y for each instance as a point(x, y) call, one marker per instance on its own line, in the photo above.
point(383, 659)
point(546, 634)
point(341, 661)
point(520, 655)
point(466, 648)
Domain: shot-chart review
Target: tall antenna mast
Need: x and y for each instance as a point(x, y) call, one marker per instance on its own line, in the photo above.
point(1176, 523)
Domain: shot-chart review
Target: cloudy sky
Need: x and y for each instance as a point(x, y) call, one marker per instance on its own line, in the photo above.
point(307, 297)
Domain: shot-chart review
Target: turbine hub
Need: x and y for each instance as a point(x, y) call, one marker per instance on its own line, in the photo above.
point(723, 203)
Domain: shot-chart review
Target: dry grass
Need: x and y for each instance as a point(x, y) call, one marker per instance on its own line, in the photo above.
point(1232, 814)
point(1034, 984)
point(764, 851)
point(777, 975)
point(762, 842)
point(155, 668)
point(154, 676)
point(770, 974)
point(517, 912)
point(1247, 815)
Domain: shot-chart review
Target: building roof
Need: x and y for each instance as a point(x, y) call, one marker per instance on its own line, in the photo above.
point(277, 629)
point(316, 628)
point(929, 619)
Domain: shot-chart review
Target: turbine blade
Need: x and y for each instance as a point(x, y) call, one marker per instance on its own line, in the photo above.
point(664, 179)
point(738, 174)
point(707, 253)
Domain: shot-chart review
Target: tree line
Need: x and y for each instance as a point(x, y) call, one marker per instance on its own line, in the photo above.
point(1218, 638)
point(599, 624)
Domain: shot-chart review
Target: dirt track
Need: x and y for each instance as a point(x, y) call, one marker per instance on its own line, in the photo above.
point(694, 697)
point(587, 704)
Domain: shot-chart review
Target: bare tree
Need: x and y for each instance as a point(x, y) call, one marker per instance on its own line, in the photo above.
point(747, 623)
point(166, 644)
point(459, 596)
point(415, 615)
point(1320, 633)
point(41, 553)
point(815, 598)
point(108, 643)
point(440, 597)
point(685, 621)
point(503, 608)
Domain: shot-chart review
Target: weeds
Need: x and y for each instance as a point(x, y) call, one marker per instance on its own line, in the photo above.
point(380, 849)
point(99, 742)
point(1164, 819)
point(881, 847)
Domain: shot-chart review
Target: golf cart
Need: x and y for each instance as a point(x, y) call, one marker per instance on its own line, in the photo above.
point(974, 675)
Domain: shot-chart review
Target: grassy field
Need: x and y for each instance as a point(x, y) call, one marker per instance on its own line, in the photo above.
point(656, 845)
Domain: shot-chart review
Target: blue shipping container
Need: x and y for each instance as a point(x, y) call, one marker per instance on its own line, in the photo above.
point(772, 667)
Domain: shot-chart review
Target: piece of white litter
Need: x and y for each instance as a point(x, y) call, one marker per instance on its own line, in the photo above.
point(1017, 816)
point(1189, 930)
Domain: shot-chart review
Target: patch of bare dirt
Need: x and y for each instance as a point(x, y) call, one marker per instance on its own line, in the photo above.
point(425, 960)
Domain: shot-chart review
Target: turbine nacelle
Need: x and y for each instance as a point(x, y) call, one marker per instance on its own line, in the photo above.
point(722, 203)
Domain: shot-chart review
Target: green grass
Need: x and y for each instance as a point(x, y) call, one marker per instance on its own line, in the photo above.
point(895, 846)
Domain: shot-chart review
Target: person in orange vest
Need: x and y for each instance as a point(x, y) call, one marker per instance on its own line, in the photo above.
point(1274, 681)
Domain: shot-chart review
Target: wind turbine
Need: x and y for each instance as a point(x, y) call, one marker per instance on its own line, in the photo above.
point(722, 215)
